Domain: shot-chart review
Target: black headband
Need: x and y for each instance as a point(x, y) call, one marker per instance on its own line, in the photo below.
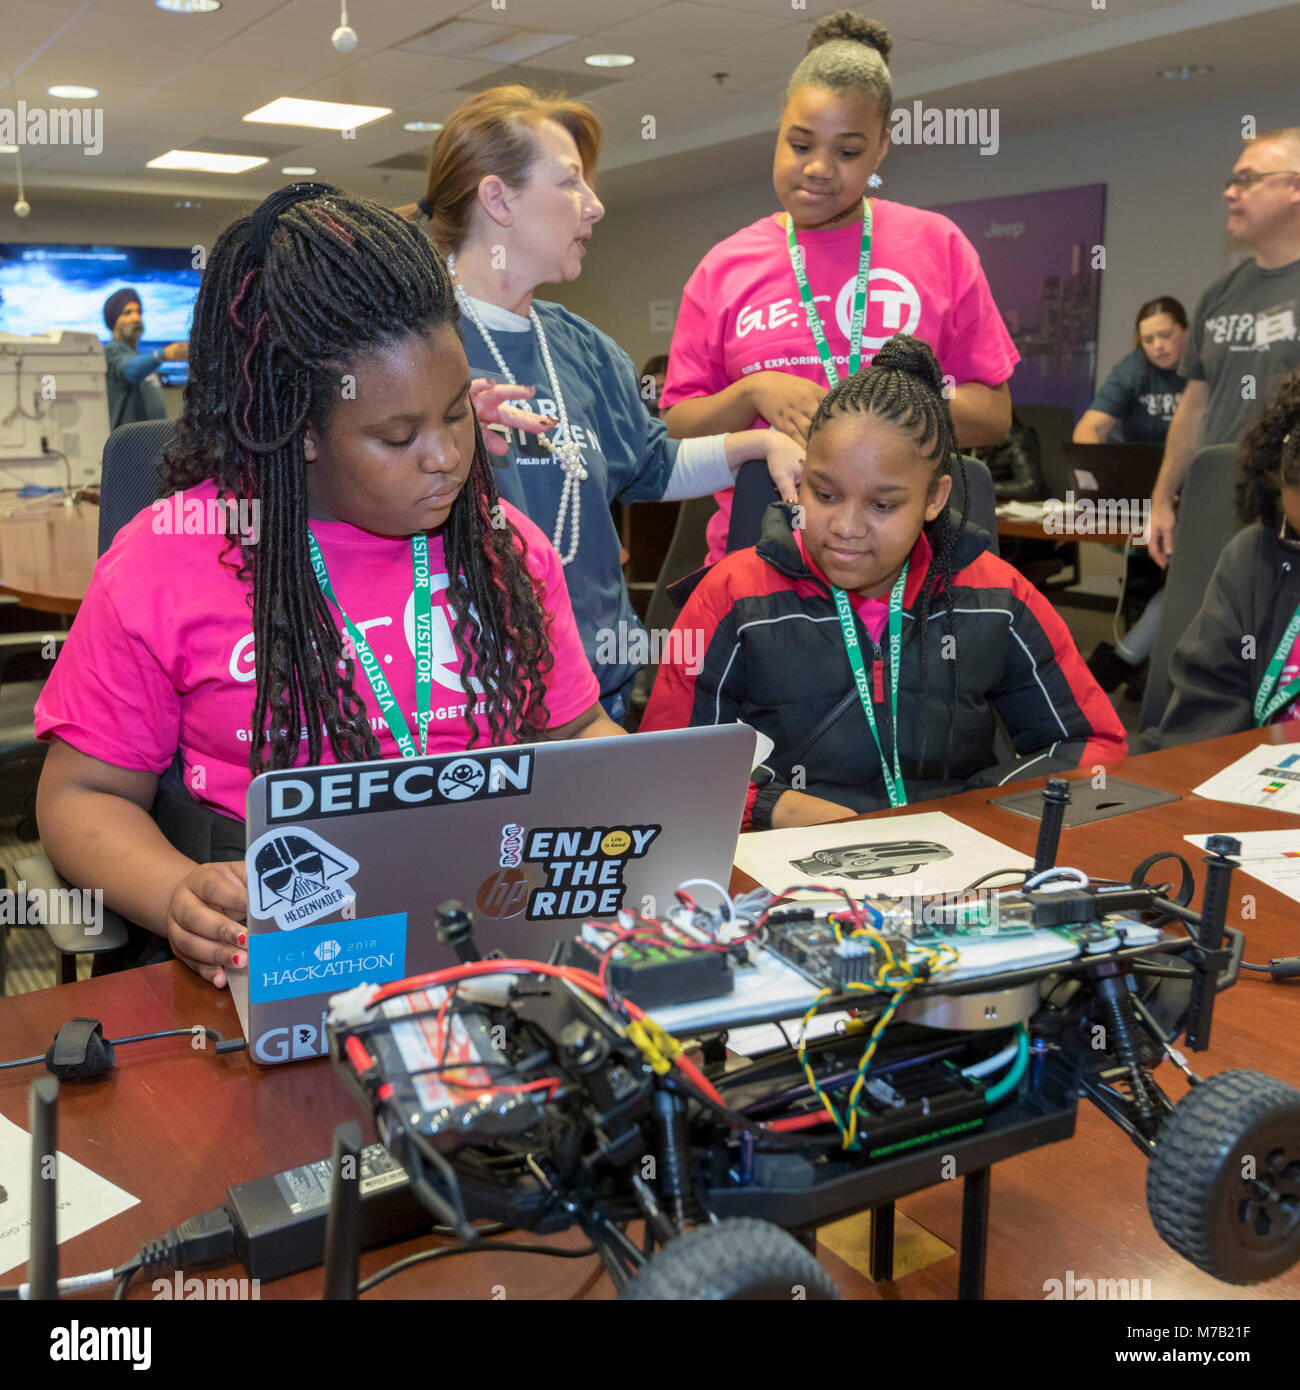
point(259, 238)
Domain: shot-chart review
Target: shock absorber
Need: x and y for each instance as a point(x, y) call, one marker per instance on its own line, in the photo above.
point(674, 1154)
point(1122, 1022)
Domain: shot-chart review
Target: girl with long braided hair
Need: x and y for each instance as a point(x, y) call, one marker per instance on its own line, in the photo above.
point(872, 635)
point(377, 599)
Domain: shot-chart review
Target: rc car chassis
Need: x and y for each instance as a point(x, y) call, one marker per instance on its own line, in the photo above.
point(589, 1117)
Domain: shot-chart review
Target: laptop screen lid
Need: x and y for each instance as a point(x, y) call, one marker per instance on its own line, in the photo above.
point(347, 863)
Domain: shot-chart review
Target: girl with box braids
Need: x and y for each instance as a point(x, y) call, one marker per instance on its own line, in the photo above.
point(292, 298)
point(905, 386)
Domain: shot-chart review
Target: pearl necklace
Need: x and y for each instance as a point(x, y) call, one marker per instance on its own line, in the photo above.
point(567, 452)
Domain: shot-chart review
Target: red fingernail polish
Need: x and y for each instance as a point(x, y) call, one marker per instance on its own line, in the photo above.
point(234, 960)
point(243, 938)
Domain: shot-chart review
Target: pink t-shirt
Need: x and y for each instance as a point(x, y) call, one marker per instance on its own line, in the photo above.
point(160, 656)
point(741, 312)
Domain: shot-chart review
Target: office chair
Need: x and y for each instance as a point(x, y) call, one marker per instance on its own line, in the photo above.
point(1206, 523)
point(129, 477)
point(686, 551)
point(1053, 425)
point(129, 483)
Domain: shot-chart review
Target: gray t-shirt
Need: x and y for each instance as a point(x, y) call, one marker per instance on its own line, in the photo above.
point(1245, 326)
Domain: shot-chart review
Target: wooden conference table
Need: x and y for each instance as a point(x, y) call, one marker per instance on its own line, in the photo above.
point(176, 1126)
point(47, 551)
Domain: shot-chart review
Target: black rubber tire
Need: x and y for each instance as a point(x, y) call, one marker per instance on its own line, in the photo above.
point(1199, 1201)
point(739, 1258)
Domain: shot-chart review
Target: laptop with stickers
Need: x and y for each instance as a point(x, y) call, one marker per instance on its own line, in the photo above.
point(347, 863)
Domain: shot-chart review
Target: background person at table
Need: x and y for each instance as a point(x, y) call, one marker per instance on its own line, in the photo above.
point(1137, 400)
point(509, 201)
point(1243, 335)
point(743, 351)
point(1234, 668)
point(134, 391)
point(1135, 406)
point(236, 656)
point(879, 553)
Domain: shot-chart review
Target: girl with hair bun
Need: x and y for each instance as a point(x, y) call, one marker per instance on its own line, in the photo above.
point(510, 203)
point(871, 634)
point(781, 310)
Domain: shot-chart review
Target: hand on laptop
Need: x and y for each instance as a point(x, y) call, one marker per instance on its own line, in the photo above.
point(205, 920)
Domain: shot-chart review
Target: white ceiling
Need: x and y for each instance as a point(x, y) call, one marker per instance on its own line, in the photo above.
point(181, 81)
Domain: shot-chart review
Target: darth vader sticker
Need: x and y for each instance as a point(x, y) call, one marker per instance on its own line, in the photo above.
point(296, 877)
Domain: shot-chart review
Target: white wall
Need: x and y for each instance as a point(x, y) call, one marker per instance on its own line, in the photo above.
point(1164, 213)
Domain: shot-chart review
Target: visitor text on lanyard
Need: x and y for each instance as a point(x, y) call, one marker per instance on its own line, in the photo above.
point(859, 298)
point(388, 705)
point(894, 780)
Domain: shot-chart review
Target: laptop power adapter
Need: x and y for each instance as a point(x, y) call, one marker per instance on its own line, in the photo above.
point(280, 1219)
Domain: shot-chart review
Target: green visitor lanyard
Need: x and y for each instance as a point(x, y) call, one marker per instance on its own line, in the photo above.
point(859, 298)
point(388, 705)
point(894, 780)
point(1265, 708)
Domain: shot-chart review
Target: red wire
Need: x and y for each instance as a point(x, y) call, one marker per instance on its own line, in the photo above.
point(809, 1121)
point(584, 979)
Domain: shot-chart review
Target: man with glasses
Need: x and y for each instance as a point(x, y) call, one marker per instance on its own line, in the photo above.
point(1245, 325)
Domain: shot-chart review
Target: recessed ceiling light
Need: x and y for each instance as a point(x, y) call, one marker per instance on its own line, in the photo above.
point(206, 163)
point(319, 115)
point(422, 127)
point(298, 170)
point(1183, 72)
point(189, 6)
point(72, 92)
point(186, 204)
point(8, 149)
point(609, 60)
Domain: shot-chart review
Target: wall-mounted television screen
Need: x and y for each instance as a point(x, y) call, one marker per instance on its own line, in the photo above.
point(45, 287)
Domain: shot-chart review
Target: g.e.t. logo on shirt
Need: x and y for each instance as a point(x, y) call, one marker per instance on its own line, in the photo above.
point(893, 306)
point(446, 659)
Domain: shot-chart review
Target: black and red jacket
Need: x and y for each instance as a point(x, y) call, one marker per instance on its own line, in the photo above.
point(774, 657)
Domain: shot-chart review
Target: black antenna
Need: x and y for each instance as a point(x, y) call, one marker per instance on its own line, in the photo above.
point(43, 1120)
point(1056, 797)
point(343, 1224)
point(1214, 911)
point(456, 929)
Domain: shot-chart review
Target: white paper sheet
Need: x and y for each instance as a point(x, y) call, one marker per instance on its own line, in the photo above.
point(1267, 776)
point(1271, 856)
point(948, 856)
point(85, 1199)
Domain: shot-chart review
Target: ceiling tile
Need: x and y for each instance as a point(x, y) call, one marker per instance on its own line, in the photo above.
point(702, 28)
point(650, 58)
point(389, 79)
point(564, 16)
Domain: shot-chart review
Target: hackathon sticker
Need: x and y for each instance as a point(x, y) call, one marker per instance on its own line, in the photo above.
point(296, 877)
